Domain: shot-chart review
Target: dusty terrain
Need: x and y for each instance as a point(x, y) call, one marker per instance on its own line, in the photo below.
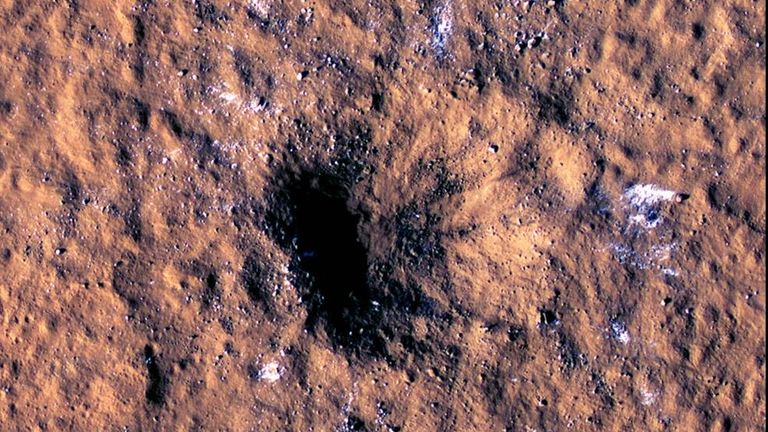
point(382, 215)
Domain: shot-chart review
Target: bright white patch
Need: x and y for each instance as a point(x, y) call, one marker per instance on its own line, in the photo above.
point(645, 259)
point(626, 255)
point(645, 241)
point(644, 199)
point(647, 397)
point(230, 97)
point(619, 332)
point(644, 195)
point(260, 7)
point(270, 372)
point(647, 195)
point(233, 100)
point(662, 252)
point(441, 27)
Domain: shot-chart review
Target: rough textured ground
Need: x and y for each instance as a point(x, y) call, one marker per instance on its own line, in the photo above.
point(382, 216)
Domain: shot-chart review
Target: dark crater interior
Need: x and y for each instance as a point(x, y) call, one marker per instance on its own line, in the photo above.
point(350, 287)
point(311, 217)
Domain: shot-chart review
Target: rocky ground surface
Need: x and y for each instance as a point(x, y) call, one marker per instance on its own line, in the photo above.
point(382, 215)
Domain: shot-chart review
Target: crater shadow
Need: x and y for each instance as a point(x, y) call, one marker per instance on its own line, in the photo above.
point(311, 217)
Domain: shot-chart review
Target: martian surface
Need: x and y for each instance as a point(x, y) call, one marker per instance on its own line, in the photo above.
point(372, 215)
